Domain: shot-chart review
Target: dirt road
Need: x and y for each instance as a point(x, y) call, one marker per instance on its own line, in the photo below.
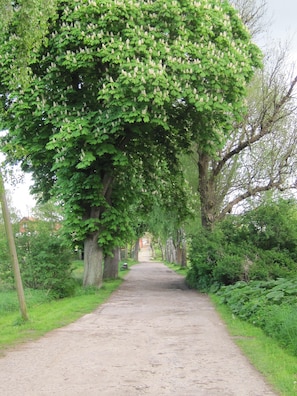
point(153, 337)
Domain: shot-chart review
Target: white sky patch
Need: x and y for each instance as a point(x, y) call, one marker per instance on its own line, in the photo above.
point(282, 26)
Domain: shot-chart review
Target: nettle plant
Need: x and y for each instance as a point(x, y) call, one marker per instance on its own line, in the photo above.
point(117, 84)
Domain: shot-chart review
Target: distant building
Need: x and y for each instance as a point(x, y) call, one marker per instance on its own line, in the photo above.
point(28, 224)
point(24, 224)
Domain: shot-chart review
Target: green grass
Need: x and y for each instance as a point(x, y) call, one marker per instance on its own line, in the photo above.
point(277, 365)
point(177, 268)
point(47, 316)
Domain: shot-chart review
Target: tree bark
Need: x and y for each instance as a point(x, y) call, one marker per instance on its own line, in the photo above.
point(93, 262)
point(184, 255)
point(170, 250)
point(135, 251)
point(206, 191)
point(111, 265)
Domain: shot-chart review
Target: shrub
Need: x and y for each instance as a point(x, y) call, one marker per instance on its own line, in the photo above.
point(270, 305)
point(273, 225)
point(272, 264)
point(215, 262)
point(258, 245)
point(204, 253)
point(228, 269)
point(45, 261)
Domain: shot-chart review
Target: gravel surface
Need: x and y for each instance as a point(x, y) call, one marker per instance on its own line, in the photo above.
point(153, 337)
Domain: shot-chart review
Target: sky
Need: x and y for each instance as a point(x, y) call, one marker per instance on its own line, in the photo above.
point(283, 26)
point(282, 15)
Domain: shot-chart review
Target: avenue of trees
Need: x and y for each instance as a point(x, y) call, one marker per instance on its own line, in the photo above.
point(114, 94)
point(259, 155)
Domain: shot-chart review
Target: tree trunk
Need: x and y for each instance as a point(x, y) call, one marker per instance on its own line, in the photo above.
point(162, 249)
point(135, 252)
point(111, 265)
point(170, 251)
point(93, 262)
point(184, 253)
point(206, 188)
point(178, 255)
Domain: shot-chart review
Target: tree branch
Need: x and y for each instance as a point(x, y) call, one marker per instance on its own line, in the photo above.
point(265, 129)
point(252, 192)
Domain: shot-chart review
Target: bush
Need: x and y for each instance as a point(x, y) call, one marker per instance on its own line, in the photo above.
point(272, 264)
point(216, 262)
point(228, 270)
point(6, 275)
point(259, 245)
point(45, 261)
point(273, 225)
point(204, 253)
point(270, 305)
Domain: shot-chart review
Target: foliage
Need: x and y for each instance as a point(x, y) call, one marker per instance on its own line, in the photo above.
point(263, 352)
point(258, 245)
point(45, 261)
point(115, 88)
point(5, 265)
point(29, 20)
point(205, 251)
point(270, 305)
point(273, 225)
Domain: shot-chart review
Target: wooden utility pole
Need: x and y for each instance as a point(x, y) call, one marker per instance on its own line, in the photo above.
point(12, 250)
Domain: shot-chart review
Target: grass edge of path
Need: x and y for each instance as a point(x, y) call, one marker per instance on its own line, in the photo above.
point(277, 366)
point(50, 316)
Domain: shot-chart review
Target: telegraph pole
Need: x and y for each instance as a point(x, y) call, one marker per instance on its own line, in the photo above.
point(12, 250)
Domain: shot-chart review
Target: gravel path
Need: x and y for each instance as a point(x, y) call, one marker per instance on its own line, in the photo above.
point(153, 337)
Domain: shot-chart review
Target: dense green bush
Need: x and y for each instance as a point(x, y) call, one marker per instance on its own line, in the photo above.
point(258, 245)
point(272, 264)
point(205, 251)
point(45, 261)
point(273, 225)
point(271, 305)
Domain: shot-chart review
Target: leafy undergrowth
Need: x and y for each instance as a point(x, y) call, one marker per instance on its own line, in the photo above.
point(270, 305)
point(239, 305)
point(277, 365)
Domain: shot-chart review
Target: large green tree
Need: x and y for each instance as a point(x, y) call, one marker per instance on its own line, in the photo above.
point(115, 85)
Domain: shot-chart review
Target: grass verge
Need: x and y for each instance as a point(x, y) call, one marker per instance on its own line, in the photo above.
point(177, 268)
point(46, 315)
point(277, 366)
point(51, 315)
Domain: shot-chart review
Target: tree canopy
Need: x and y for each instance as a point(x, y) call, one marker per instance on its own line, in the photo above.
point(117, 85)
